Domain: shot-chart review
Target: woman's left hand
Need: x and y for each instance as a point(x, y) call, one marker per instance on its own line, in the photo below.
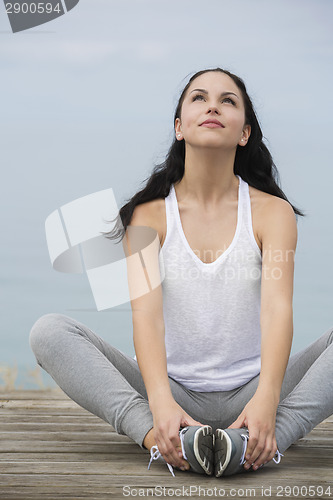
point(259, 417)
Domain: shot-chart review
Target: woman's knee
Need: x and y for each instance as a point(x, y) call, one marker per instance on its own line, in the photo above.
point(330, 337)
point(43, 330)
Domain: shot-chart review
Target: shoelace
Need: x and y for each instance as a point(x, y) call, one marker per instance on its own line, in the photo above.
point(245, 439)
point(181, 435)
point(155, 453)
point(242, 460)
point(278, 459)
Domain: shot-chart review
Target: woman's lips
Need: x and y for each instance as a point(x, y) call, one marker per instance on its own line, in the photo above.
point(211, 125)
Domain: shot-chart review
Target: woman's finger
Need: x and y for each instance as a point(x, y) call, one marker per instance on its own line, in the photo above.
point(251, 445)
point(273, 451)
point(256, 451)
point(264, 456)
point(169, 451)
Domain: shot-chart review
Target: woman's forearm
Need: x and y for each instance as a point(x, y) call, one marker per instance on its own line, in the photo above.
point(149, 344)
point(276, 341)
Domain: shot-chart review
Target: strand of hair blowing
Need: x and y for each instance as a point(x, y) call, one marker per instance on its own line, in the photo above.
point(253, 163)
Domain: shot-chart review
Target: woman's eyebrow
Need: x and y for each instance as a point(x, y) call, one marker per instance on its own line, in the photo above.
point(222, 94)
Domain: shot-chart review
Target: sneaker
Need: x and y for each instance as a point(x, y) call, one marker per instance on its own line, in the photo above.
point(230, 449)
point(197, 443)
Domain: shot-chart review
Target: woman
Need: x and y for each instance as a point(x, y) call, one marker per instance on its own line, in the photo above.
point(212, 389)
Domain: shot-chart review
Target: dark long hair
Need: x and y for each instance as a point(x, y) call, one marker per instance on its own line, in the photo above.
point(253, 163)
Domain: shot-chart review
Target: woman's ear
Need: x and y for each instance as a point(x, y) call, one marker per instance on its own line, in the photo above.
point(178, 130)
point(245, 136)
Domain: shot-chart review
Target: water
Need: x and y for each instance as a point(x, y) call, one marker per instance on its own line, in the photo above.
point(33, 288)
point(65, 133)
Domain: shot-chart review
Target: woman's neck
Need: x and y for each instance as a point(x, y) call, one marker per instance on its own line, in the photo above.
point(208, 178)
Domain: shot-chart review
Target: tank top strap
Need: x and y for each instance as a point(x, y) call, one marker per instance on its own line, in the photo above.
point(244, 193)
point(247, 215)
point(170, 212)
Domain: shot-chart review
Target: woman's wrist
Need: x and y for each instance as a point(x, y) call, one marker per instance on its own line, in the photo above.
point(269, 390)
point(162, 397)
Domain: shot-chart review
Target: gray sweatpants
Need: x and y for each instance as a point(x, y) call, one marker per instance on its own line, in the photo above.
point(108, 383)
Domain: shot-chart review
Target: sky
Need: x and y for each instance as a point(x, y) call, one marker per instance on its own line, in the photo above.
point(87, 103)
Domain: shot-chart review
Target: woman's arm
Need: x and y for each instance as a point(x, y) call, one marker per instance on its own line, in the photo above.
point(149, 344)
point(279, 240)
point(149, 334)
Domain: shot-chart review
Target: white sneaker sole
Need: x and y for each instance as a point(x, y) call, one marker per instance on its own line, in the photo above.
point(199, 443)
point(223, 447)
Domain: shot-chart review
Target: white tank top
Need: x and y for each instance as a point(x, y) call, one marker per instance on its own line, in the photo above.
point(211, 310)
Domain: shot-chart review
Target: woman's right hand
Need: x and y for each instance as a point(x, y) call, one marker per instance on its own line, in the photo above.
point(168, 417)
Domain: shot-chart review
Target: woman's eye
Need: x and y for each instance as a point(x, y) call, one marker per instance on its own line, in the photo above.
point(228, 99)
point(196, 96)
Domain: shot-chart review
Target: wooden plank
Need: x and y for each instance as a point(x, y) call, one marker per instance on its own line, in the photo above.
point(74, 422)
point(60, 435)
point(28, 418)
point(69, 446)
point(40, 403)
point(135, 466)
point(161, 476)
point(52, 448)
point(47, 411)
point(108, 438)
point(54, 394)
point(31, 427)
point(68, 455)
point(47, 486)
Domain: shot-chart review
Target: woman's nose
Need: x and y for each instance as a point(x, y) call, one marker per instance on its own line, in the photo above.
point(213, 109)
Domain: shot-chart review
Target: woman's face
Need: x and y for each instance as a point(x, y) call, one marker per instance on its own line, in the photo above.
point(213, 96)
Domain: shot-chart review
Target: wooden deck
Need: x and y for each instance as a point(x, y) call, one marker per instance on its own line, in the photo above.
point(51, 448)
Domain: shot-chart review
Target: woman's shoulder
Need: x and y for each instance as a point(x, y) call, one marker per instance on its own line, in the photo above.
point(262, 201)
point(151, 214)
point(267, 209)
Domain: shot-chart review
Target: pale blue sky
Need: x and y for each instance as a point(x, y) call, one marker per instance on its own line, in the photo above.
point(87, 103)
